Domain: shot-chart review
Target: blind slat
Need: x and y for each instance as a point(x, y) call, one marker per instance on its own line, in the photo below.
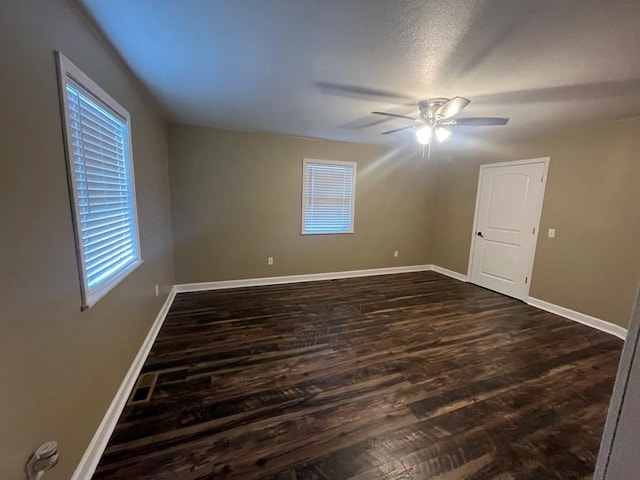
point(98, 267)
point(102, 216)
point(96, 135)
point(101, 187)
point(100, 181)
point(83, 194)
point(108, 252)
point(92, 113)
point(117, 169)
point(93, 227)
point(98, 208)
point(104, 243)
point(101, 156)
point(102, 139)
point(96, 204)
point(96, 277)
point(93, 122)
point(96, 239)
point(100, 231)
point(90, 170)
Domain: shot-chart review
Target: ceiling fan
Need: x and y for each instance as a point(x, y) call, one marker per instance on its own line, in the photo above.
point(436, 117)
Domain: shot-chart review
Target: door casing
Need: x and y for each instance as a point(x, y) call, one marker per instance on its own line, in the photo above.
point(545, 161)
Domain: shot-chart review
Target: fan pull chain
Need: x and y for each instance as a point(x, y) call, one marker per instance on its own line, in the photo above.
point(427, 150)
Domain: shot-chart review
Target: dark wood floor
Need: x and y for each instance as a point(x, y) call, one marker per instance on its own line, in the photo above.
point(410, 376)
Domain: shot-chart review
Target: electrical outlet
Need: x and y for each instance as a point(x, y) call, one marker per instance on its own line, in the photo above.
point(552, 233)
point(395, 253)
point(157, 290)
point(269, 260)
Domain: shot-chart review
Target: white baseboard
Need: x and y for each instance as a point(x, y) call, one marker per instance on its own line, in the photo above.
point(450, 273)
point(579, 317)
point(583, 318)
point(311, 277)
point(91, 457)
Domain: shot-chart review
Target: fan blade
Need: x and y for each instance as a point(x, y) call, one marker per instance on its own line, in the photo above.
point(395, 115)
point(480, 121)
point(357, 91)
point(452, 107)
point(367, 122)
point(398, 129)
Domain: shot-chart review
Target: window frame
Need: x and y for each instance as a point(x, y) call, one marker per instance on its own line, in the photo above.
point(315, 161)
point(68, 71)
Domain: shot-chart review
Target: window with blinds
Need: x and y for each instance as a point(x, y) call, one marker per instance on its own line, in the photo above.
point(328, 196)
point(101, 183)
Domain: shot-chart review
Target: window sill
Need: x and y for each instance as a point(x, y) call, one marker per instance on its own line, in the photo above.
point(327, 233)
point(110, 285)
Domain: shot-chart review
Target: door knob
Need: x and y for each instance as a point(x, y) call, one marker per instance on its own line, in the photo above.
point(480, 234)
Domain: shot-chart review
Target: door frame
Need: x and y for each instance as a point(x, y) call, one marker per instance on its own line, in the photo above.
point(545, 176)
point(619, 397)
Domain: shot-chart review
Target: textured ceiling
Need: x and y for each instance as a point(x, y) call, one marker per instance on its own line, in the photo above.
point(319, 67)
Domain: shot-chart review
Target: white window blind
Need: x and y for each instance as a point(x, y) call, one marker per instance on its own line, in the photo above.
point(101, 180)
point(328, 196)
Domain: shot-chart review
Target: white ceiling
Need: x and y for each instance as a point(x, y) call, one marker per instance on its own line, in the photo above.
point(319, 67)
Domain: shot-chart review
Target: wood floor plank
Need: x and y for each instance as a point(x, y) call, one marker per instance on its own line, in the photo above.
point(403, 377)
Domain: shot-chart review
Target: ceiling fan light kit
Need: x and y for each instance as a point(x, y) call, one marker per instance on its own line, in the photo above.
point(423, 134)
point(436, 115)
point(442, 134)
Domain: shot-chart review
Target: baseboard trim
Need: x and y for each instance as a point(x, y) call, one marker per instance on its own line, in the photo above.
point(311, 277)
point(450, 273)
point(87, 466)
point(579, 317)
point(593, 322)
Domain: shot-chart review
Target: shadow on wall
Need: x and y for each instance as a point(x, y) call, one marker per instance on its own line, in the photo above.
point(385, 165)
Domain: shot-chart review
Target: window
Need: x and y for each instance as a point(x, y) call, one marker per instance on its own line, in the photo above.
point(101, 184)
point(328, 196)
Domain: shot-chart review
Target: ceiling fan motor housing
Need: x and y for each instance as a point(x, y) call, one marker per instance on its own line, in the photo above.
point(429, 107)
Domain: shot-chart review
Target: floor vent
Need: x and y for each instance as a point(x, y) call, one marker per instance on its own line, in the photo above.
point(144, 388)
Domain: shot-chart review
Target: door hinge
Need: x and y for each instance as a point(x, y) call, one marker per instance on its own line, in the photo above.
point(534, 230)
point(526, 279)
point(542, 179)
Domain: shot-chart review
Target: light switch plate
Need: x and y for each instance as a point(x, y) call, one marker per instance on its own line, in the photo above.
point(552, 233)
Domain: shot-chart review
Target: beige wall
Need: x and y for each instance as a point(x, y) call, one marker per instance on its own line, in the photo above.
point(59, 367)
point(592, 200)
point(236, 200)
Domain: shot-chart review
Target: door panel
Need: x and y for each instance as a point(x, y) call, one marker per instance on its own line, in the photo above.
point(508, 210)
point(507, 216)
point(499, 260)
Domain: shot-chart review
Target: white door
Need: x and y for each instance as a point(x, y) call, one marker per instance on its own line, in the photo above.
point(508, 209)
